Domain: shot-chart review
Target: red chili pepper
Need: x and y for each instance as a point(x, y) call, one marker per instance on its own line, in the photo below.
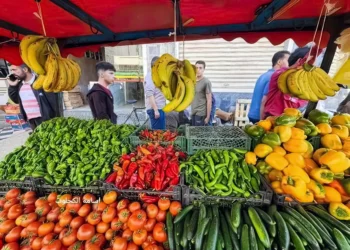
point(169, 173)
point(174, 181)
point(148, 198)
point(132, 168)
point(175, 168)
point(162, 175)
point(126, 165)
point(181, 155)
point(125, 157)
point(111, 178)
point(125, 183)
point(149, 179)
point(151, 148)
point(140, 183)
point(165, 164)
point(165, 183)
point(144, 151)
point(118, 180)
point(157, 182)
point(141, 173)
point(133, 180)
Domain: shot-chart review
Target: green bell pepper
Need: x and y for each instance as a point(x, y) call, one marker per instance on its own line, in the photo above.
point(272, 139)
point(316, 116)
point(286, 120)
point(346, 185)
point(254, 130)
point(309, 128)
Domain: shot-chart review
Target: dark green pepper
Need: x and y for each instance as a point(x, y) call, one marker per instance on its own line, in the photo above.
point(316, 117)
point(272, 139)
point(254, 130)
point(309, 128)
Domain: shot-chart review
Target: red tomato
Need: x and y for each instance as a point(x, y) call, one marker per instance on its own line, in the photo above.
point(123, 215)
point(62, 200)
point(116, 224)
point(58, 229)
point(110, 234)
point(110, 197)
point(25, 219)
point(120, 244)
point(88, 198)
point(41, 201)
point(127, 234)
point(69, 237)
point(122, 204)
point(12, 193)
point(49, 237)
point(152, 247)
point(164, 204)
point(77, 222)
point(134, 206)
point(137, 220)
point(53, 245)
point(53, 214)
point(78, 245)
point(36, 244)
point(94, 218)
point(3, 215)
point(24, 233)
point(74, 207)
point(52, 198)
point(7, 226)
point(114, 204)
point(29, 209)
point(100, 206)
point(159, 232)
point(102, 227)
point(132, 246)
point(10, 203)
point(15, 211)
point(46, 228)
point(86, 232)
point(29, 194)
point(149, 225)
point(161, 216)
point(96, 242)
point(109, 214)
point(84, 210)
point(11, 246)
point(2, 202)
point(152, 211)
point(139, 236)
point(65, 220)
point(175, 208)
point(43, 209)
point(28, 201)
point(14, 235)
point(33, 227)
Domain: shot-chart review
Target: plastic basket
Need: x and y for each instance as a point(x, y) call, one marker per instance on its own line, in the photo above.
point(26, 185)
point(180, 139)
point(216, 137)
point(315, 142)
point(95, 188)
point(173, 192)
point(261, 198)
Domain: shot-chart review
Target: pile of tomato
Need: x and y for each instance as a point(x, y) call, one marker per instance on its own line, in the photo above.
point(59, 222)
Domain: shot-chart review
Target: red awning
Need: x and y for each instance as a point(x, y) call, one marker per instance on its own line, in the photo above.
point(128, 16)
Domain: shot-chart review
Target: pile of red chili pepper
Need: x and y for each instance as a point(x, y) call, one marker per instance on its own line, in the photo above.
point(152, 166)
point(158, 135)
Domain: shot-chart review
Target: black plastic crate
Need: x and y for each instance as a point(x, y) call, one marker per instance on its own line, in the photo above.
point(173, 192)
point(24, 186)
point(192, 196)
point(44, 189)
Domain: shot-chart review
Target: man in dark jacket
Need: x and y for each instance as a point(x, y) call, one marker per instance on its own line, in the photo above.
point(36, 105)
point(100, 97)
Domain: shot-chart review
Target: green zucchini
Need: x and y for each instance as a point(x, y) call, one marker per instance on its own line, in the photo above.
point(245, 238)
point(259, 227)
point(202, 212)
point(170, 230)
point(283, 236)
point(253, 240)
point(307, 224)
point(246, 218)
point(226, 232)
point(234, 238)
point(265, 216)
point(183, 213)
point(200, 233)
point(228, 219)
point(340, 239)
point(221, 239)
point(214, 230)
point(301, 229)
point(236, 214)
point(193, 225)
point(210, 216)
point(239, 229)
point(184, 241)
point(178, 231)
point(272, 228)
point(260, 245)
point(298, 244)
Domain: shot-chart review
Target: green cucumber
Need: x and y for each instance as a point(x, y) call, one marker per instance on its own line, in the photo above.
point(170, 230)
point(239, 229)
point(246, 218)
point(200, 233)
point(183, 213)
point(298, 244)
point(301, 229)
point(260, 245)
point(303, 221)
point(245, 238)
point(236, 214)
point(259, 227)
point(234, 238)
point(226, 232)
point(340, 239)
point(283, 236)
point(214, 230)
point(202, 212)
point(272, 228)
point(210, 216)
point(220, 241)
point(265, 216)
point(330, 219)
point(178, 231)
point(253, 240)
point(193, 225)
point(184, 241)
point(228, 219)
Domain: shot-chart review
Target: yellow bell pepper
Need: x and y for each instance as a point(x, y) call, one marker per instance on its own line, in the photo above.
point(341, 131)
point(341, 119)
point(284, 132)
point(322, 175)
point(292, 112)
point(298, 134)
point(262, 150)
point(310, 164)
point(265, 124)
point(308, 197)
point(318, 153)
point(275, 175)
point(276, 186)
point(324, 128)
point(309, 152)
point(335, 161)
point(279, 150)
point(317, 189)
point(295, 159)
point(331, 141)
point(339, 210)
point(295, 146)
point(332, 195)
point(293, 186)
point(276, 161)
point(293, 171)
point(346, 146)
point(250, 158)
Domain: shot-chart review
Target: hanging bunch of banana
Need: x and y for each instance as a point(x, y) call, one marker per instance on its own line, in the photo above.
point(307, 83)
point(42, 55)
point(177, 80)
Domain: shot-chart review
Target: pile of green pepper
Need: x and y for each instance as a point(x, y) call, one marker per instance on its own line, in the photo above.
point(68, 151)
point(221, 173)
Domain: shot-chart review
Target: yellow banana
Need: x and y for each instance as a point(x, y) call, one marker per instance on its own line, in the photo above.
point(61, 76)
point(327, 79)
point(51, 68)
point(178, 98)
point(322, 84)
point(155, 76)
point(282, 80)
point(70, 75)
point(34, 51)
point(189, 70)
point(164, 61)
point(312, 95)
point(314, 87)
point(190, 89)
point(76, 73)
point(173, 84)
point(305, 95)
point(166, 92)
point(23, 46)
point(56, 49)
point(293, 84)
point(38, 84)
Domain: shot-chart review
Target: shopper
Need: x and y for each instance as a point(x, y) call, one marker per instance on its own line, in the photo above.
point(202, 102)
point(36, 105)
point(155, 101)
point(279, 60)
point(275, 100)
point(100, 97)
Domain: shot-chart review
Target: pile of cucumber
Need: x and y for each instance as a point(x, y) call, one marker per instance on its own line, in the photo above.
point(251, 228)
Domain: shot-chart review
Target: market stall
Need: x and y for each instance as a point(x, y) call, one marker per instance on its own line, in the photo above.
point(75, 184)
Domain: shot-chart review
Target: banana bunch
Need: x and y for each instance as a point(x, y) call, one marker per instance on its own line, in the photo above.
point(42, 55)
point(177, 80)
point(307, 83)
